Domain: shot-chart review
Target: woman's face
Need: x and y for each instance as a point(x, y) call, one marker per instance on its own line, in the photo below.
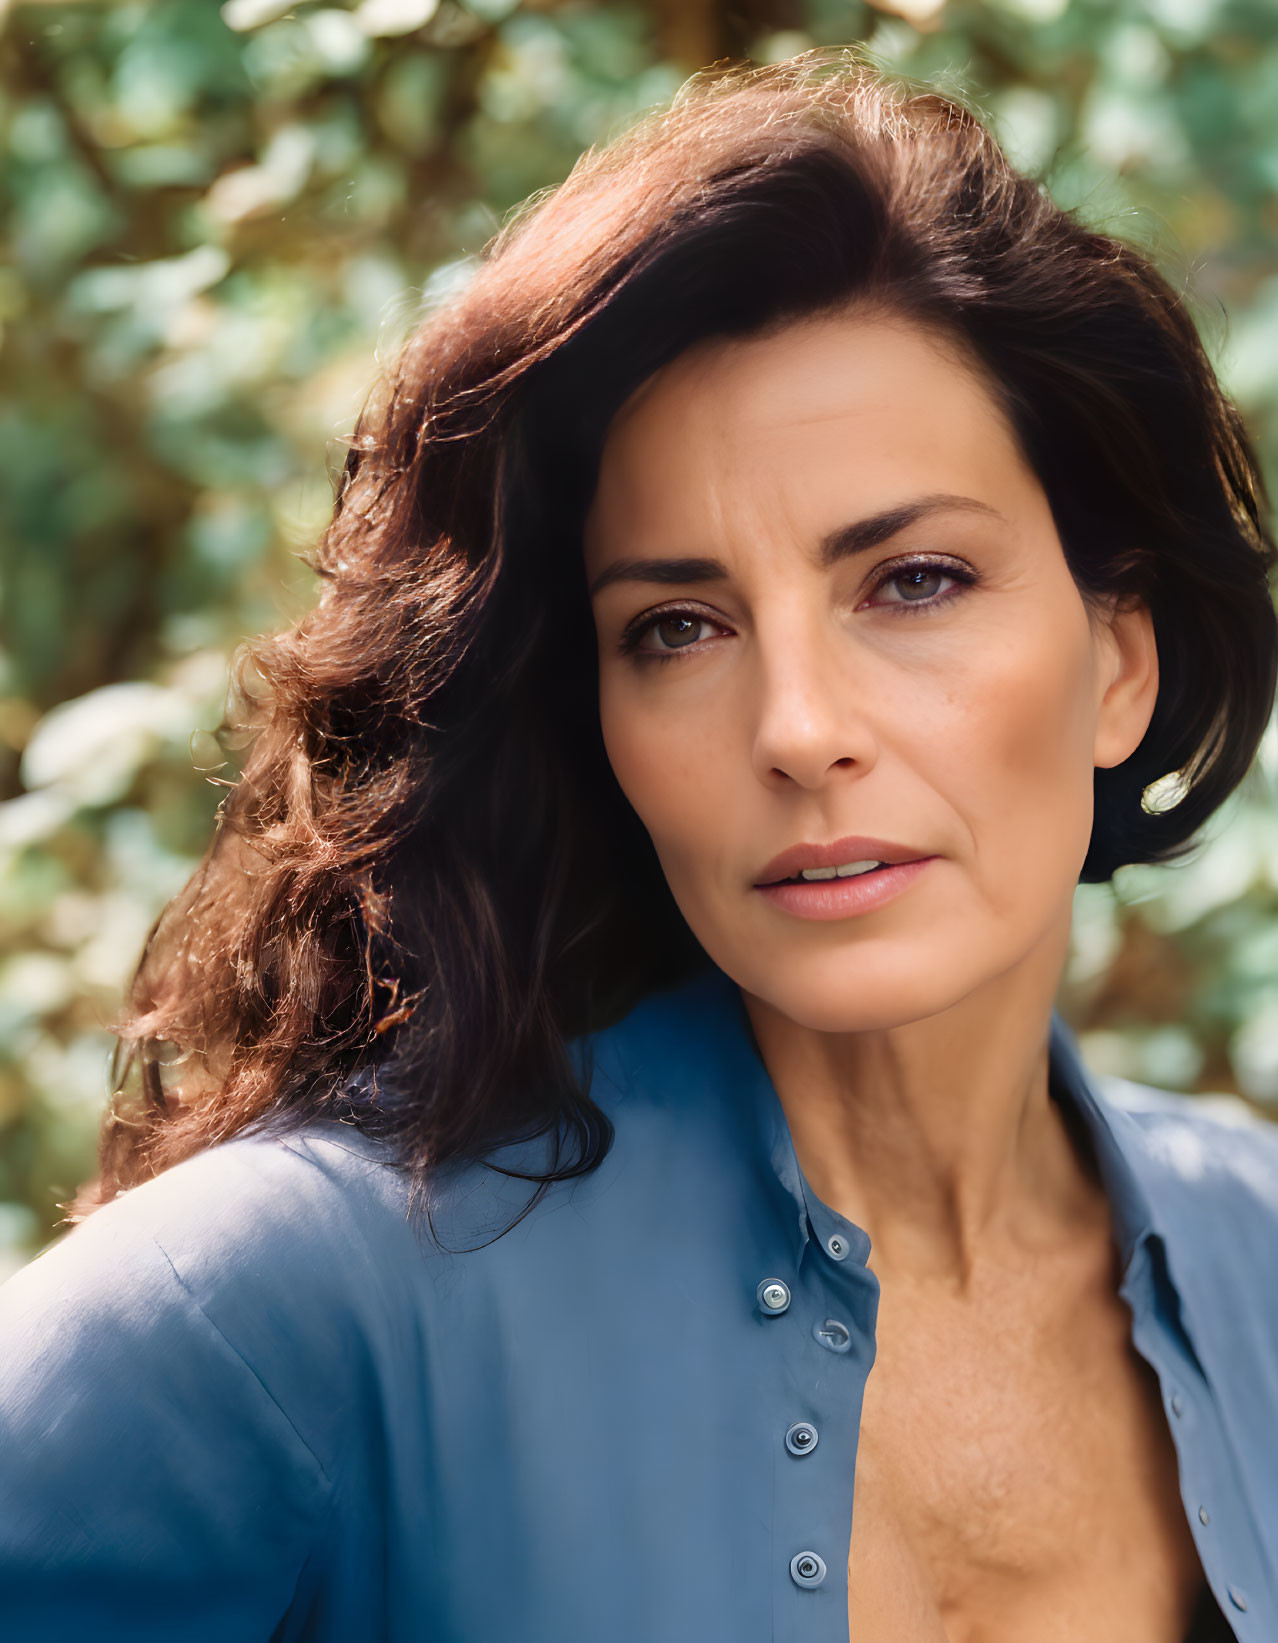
point(837, 630)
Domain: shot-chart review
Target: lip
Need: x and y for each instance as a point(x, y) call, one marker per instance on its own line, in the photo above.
point(853, 848)
point(844, 898)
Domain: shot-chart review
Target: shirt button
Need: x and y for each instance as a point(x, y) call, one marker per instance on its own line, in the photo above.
point(1203, 1515)
point(807, 1569)
point(774, 1296)
point(837, 1246)
point(833, 1334)
point(801, 1439)
point(1177, 1404)
point(1236, 1596)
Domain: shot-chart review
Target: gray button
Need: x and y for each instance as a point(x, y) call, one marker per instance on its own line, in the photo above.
point(837, 1246)
point(833, 1334)
point(774, 1296)
point(1203, 1515)
point(1177, 1404)
point(801, 1439)
point(1236, 1596)
point(807, 1569)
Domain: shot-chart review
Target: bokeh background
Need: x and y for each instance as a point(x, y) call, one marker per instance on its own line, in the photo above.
point(218, 220)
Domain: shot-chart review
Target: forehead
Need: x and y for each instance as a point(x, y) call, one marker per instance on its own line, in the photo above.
point(809, 367)
point(860, 401)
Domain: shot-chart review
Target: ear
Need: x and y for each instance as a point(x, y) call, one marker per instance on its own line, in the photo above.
point(1126, 679)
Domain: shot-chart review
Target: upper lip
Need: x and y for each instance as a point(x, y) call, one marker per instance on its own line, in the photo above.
point(791, 862)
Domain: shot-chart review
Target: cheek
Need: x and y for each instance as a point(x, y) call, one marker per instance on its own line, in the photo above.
point(1026, 762)
point(664, 765)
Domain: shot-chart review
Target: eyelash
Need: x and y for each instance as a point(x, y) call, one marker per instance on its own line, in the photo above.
point(963, 575)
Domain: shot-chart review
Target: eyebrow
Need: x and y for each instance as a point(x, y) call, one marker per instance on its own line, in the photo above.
point(842, 543)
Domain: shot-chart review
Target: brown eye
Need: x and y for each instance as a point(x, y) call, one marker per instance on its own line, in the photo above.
point(676, 631)
point(659, 636)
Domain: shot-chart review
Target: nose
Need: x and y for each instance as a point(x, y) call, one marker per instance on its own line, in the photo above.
point(813, 722)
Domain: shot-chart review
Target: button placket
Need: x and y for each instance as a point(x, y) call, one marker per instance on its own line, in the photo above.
point(806, 1502)
point(1192, 1421)
point(1182, 1411)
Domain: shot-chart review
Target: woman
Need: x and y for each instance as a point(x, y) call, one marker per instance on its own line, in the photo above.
point(748, 610)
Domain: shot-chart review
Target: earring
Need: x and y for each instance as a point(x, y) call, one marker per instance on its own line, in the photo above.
point(1165, 793)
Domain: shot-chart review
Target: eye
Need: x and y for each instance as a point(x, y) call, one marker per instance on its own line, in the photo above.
point(921, 583)
point(675, 631)
point(661, 634)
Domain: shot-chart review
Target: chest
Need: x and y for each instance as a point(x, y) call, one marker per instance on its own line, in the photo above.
point(1015, 1472)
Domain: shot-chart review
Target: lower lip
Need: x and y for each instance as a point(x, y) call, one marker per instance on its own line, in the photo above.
point(844, 898)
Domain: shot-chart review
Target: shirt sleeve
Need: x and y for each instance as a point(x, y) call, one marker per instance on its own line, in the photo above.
point(151, 1488)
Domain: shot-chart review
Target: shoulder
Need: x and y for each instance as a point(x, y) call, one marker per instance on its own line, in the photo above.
point(1208, 1166)
point(253, 1204)
point(251, 1259)
point(155, 1373)
point(1210, 1151)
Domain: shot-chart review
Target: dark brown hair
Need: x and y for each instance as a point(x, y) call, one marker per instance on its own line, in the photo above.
point(426, 880)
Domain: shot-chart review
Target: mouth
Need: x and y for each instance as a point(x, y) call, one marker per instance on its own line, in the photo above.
point(846, 858)
point(827, 893)
point(817, 875)
point(840, 880)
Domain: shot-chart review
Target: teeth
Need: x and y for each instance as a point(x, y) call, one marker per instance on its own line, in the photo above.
point(846, 870)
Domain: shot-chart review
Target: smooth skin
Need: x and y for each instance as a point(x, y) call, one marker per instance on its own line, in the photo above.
point(942, 686)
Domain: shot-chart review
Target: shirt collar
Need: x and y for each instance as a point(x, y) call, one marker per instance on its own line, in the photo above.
point(1114, 1142)
point(1109, 1131)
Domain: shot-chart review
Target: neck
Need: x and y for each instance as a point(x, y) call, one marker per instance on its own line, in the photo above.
point(938, 1137)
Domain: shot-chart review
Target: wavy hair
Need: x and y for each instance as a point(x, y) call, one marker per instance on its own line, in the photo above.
point(425, 881)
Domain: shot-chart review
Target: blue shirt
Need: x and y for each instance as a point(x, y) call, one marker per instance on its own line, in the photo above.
point(245, 1401)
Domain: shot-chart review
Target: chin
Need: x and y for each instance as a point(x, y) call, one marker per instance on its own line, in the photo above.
point(854, 993)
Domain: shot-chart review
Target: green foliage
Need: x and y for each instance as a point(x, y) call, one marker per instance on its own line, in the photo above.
point(218, 218)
